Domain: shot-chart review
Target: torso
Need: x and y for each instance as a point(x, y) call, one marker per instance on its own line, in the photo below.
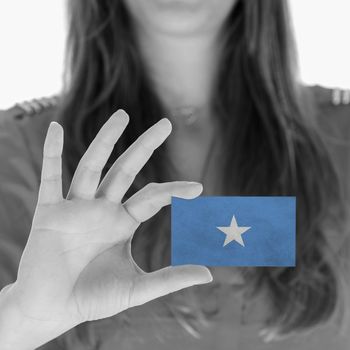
point(151, 326)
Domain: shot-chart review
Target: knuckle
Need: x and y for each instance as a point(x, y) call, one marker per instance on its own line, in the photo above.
point(104, 142)
point(91, 167)
point(166, 275)
point(147, 147)
point(124, 173)
point(151, 186)
point(153, 207)
point(146, 142)
point(148, 193)
point(51, 157)
point(52, 178)
point(51, 148)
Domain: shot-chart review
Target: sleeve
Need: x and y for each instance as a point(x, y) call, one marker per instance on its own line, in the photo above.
point(19, 185)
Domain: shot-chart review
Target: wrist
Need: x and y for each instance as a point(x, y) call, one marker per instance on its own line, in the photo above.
point(12, 329)
point(18, 330)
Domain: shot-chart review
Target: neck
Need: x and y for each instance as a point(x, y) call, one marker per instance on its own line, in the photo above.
point(181, 68)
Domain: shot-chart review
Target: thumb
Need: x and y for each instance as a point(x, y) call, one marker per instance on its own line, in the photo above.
point(168, 280)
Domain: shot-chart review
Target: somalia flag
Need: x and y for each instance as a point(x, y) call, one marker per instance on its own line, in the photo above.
point(233, 231)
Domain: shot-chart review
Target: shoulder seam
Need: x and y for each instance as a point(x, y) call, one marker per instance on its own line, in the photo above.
point(37, 105)
point(331, 96)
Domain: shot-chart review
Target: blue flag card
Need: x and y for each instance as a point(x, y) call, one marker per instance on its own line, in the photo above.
point(233, 231)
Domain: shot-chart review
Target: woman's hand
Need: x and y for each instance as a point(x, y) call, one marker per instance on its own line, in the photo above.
point(77, 264)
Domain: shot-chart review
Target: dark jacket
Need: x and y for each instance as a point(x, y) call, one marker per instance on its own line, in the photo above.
point(22, 133)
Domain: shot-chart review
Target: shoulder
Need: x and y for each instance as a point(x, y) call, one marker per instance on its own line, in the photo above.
point(332, 117)
point(332, 108)
point(28, 119)
point(23, 129)
point(31, 109)
point(22, 133)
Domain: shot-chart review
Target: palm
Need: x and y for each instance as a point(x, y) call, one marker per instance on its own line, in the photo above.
point(106, 286)
point(89, 256)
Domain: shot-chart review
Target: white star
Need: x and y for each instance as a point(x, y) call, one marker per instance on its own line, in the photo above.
point(233, 232)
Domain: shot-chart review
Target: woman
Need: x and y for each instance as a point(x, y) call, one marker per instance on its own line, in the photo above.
point(223, 72)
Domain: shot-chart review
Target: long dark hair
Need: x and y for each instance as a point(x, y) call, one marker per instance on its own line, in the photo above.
point(271, 145)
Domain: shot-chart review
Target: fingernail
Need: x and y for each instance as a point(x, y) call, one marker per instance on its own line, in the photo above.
point(196, 186)
point(54, 124)
point(121, 115)
point(165, 123)
point(55, 128)
point(208, 276)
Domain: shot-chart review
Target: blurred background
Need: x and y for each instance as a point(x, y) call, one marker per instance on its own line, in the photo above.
point(32, 37)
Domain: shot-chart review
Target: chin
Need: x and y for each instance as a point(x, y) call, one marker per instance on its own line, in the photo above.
point(180, 16)
point(180, 25)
